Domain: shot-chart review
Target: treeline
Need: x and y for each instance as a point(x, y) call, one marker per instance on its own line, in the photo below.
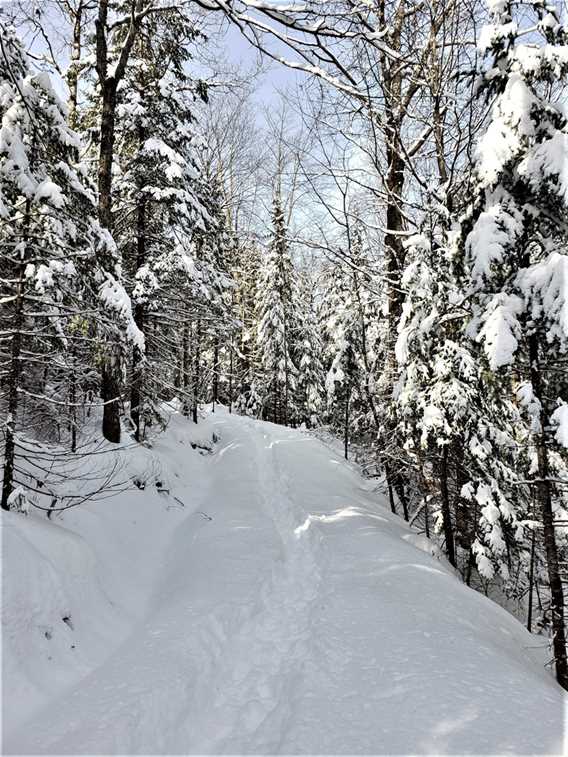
point(429, 328)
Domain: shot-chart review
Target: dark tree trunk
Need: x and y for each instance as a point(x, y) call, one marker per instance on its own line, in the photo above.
point(286, 375)
point(231, 361)
point(111, 369)
point(185, 379)
point(215, 372)
point(106, 153)
point(15, 370)
point(73, 70)
point(544, 497)
point(346, 423)
point(137, 388)
point(196, 370)
point(531, 583)
point(390, 489)
point(446, 509)
point(110, 387)
point(13, 383)
point(110, 391)
point(400, 490)
point(275, 410)
point(73, 405)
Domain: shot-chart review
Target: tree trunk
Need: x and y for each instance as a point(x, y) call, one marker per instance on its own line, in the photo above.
point(215, 371)
point(196, 370)
point(110, 391)
point(231, 361)
point(390, 489)
point(346, 424)
point(111, 369)
point(136, 391)
point(110, 387)
point(446, 510)
point(73, 405)
point(286, 375)
point(106, 153)
point(185, 368)
point(531, 583)
point(73, 70)
point(14, 375)
point(544, 497)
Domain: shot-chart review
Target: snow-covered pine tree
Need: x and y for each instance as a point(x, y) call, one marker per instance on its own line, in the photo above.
point(244, 368)
point(461, 433)
point(515, 250)
point(275, 329)
point(308, 354)
point(365, 298)
point(172, 250)
point(346, 313)
point(343, 350)
point(53, 282)
point(116, 28)
point(214, 250)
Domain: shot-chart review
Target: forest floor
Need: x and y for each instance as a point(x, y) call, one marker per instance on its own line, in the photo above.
point(263, 602)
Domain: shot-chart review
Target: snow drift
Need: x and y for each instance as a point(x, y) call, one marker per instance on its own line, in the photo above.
point(254, 597)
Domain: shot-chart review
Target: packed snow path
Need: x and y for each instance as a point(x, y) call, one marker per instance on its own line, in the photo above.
point(290, 613)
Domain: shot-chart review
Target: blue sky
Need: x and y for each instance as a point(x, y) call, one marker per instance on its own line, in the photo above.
point(278, 77)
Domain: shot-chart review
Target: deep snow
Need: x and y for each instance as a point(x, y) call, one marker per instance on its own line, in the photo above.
point(280, 610)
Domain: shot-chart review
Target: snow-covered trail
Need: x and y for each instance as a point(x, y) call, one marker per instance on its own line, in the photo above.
point(292, 614)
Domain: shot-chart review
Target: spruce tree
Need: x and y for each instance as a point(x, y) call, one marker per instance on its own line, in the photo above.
point(514, 248)
point(308, 348)
point(52, 248)
point(275, 330)
point(244, 365)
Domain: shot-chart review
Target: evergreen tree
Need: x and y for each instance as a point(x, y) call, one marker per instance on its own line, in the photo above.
point(514, 248)
point(463, 434)
point(344, 349)
point(214, 248)
point(310, 384)
point(172, 251)
point(53, 283)
point(275, 329)
point(348, 311)
point(244, 353)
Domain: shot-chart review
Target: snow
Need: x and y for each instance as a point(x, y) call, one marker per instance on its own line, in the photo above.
point(501, 329)
point(493, 234)
point(545, 289)
point(512, 124)
point(48, 190)
point(280, 609)
point(547, 161)
point(559, 420)
point(115, 298)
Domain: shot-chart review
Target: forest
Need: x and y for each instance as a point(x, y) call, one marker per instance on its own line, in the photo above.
point(345, 217)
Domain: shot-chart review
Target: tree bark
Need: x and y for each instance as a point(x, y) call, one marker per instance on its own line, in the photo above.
point(446, 510)
point(136, 391)
point(14, 376)
point(111, 370)
point(73, 70)
point(346, 424)
point(531, 583)
point(544, 497)
point(196, 370)
point(185, 368)
point(215, 371)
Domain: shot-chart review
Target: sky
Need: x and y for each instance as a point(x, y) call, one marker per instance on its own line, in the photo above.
point(232, 49)
point(276, 77)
